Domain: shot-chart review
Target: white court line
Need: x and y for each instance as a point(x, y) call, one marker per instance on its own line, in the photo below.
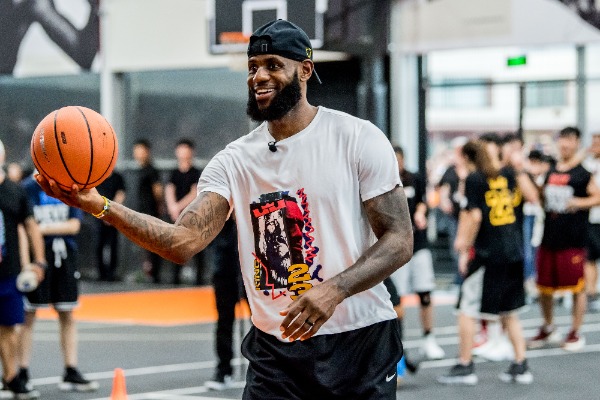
point(127, 337)
point(408, 344)
point(451, 340)
point(449, 362)
point(529, 322)
point(183, 394)
point(178, 394)
point(160, 369)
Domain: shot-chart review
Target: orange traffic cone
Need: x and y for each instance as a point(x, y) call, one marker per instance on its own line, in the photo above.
point(119, 390)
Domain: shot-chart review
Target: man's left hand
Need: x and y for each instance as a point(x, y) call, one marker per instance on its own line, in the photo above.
point(305, 315)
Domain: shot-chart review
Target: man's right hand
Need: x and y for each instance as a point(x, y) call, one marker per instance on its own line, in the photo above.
point(89, 200)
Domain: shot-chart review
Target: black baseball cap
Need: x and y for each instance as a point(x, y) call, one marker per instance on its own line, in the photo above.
point(282, 38)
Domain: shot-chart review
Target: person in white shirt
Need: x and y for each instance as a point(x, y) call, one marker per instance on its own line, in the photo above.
point(322, 221)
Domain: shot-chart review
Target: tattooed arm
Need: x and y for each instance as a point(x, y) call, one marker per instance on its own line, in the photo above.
point(390, 220)
point(198, 224)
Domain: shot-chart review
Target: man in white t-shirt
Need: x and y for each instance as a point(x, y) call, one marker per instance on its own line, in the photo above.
point(322, 219)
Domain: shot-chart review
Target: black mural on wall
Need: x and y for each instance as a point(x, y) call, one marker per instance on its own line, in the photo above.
point(16, 17)
point(586, 9)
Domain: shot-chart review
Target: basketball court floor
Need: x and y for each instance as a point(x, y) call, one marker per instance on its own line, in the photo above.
point(163, 340)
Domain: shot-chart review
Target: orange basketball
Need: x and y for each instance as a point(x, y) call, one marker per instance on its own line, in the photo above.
point(74, 145)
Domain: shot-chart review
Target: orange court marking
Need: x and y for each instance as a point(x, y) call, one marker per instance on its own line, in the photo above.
point(152, 307)
point(168, 307)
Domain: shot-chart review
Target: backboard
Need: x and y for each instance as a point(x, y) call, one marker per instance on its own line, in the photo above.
point(232, 22)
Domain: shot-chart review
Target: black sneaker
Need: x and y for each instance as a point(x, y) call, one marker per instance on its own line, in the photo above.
point(24, 376)
point(219, 382)
point(73, 381)
point(20, 391)
point(411, 366)
point(517, 373)
point(460, 375)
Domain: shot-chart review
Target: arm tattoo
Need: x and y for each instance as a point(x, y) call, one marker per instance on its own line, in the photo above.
point(196, 227)
point(203, 219)
point(151, 230)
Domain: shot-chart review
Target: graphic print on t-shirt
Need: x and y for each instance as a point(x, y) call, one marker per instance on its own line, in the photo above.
point(500, 200)
point(558, 193)
point(50, 210)
point(284, 251)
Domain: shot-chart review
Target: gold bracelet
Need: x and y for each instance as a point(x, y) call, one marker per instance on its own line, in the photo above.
point(105, 209)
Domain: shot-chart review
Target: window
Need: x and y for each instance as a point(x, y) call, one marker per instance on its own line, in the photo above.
point(460, 93)
point(546, 94)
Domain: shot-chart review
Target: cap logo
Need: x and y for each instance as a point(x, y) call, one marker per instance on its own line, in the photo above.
point(308, 52)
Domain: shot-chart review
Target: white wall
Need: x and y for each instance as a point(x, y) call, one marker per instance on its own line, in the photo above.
point(157, 34)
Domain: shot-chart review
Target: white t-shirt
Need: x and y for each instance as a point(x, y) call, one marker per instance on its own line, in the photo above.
point(592, 164)
point(300, 215)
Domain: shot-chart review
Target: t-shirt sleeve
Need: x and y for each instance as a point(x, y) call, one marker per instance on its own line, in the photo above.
point(377, 164)
point(25, 209)
point(172, 178)
point(120, 183)
point(420, 189)
point(75, 213)
point(446, 177)
point(154, 176)
point(197, 174)
point(214, 177)
point(474, 196)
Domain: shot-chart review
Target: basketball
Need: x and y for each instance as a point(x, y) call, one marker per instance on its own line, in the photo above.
point(74, 145)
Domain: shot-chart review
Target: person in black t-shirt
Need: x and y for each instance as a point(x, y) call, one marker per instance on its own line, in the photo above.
point(569, 192)
point(14, 210)
point(491, 260)
point(451, 189)
point(108, 236)
point(179, 192)
point(417, 276)
point(229, 290)
point(149, 198)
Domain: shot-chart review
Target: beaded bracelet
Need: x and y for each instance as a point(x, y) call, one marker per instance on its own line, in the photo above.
point(105, 209)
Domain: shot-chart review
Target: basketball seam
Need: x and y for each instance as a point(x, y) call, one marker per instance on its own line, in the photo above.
point(91, 147)
point(114, 137)
point(38, 165)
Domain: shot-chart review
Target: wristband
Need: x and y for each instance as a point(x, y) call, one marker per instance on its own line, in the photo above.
point(105, 209)
point(41, 264)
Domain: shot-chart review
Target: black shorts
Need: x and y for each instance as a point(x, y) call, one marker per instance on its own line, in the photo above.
point(358, 365)
point(60, 284)
point(489, 291)
point(593, 242)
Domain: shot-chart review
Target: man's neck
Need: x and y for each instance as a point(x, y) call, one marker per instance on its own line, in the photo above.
point(293, 122)
point(567, 163)
point(184, 166)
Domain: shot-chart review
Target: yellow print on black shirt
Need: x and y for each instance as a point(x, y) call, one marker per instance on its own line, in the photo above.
point(499, 199)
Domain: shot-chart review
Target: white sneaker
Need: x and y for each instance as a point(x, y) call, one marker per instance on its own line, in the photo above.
point(499, 349)
point(220, 382)
point(573, 342)
point(430, 349)
point(479, 350)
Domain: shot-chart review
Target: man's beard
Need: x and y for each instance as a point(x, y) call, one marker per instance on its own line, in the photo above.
point(281, 104)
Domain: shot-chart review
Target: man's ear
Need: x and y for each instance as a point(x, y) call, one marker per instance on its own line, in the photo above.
point(306, 70)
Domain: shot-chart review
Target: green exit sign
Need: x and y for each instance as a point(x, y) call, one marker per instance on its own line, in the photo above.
point(515, 61)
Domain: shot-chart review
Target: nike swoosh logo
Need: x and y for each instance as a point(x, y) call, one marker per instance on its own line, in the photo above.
point(389, 378)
